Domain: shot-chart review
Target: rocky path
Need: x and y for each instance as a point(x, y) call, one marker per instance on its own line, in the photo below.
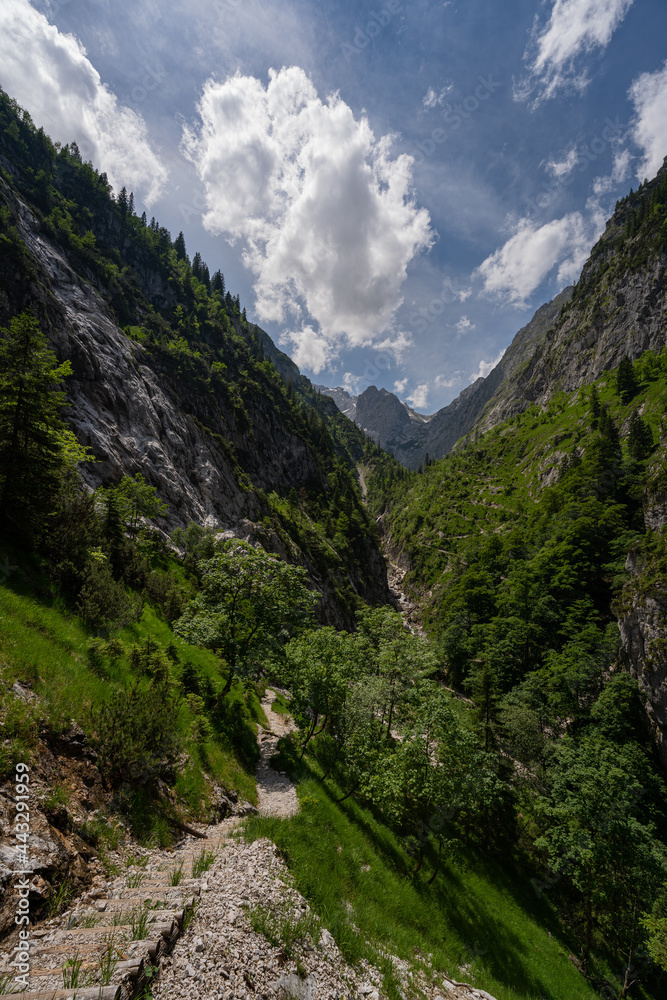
point(213, 919)
point(276, 793)
point(109, 945)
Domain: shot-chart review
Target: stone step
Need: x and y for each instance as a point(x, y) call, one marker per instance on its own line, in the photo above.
point(165, 907)
point(81, 993)
point(126, 913)
point(151, 894)
point(159, 919)
point(156, 883)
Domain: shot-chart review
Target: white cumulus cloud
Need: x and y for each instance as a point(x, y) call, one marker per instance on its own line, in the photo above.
point(649, 95)
point(575, 28)
point(326, 216)
point(463, 326)
point(517, 268)
point(485, 367)
point(400, 385)
point(49, 74)
point(448, 381)
point(619, 173)
point(434, 97)
point(418, 398)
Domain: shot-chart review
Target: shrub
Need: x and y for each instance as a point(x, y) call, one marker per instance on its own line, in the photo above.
point(19, 727)
point(102, 600)
point(138, 734)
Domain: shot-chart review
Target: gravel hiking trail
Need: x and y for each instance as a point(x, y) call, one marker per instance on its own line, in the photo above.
point(276, 793)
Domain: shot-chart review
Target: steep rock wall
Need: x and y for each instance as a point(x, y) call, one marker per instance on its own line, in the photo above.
point(135, 412)
point(643, 626)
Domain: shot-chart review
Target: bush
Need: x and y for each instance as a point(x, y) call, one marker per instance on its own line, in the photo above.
point(19, 725)
point(103, 601)
point(139, 740)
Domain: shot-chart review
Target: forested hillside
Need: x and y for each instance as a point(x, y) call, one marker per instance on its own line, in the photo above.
point(529, 546)
point(154, 468)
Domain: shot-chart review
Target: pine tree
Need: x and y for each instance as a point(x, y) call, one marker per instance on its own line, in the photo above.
point(640, 438)
point(483, 685)
point(626, 380)
point(218, 283)
point(123, 202)
point(179, 247)
point(114, 531)
point(196, 266)
point(610, 442)
point(130, 204)
point(36, 446)
point(205, 277)
point(595, 404)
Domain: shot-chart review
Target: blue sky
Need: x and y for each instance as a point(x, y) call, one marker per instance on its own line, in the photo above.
point(392, 187)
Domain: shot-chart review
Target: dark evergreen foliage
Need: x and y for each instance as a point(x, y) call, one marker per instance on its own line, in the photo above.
point(626, 381)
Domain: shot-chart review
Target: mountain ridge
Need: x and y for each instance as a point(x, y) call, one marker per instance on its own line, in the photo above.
point(410, 436)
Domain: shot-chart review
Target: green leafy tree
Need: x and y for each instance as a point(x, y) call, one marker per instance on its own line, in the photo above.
point(320, 665)
point(36, 446)
point(595, 835)
point(251, 603)
point(396, 656)
point(655, 925)
point(196, 542)
point(437, 776)
point(134, 499)
point(618, 713)
point(358, 747)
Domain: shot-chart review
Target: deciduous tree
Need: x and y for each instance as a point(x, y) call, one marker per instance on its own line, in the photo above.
point(251, 603)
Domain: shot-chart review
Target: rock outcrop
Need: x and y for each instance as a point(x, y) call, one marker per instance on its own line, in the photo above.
point(642, 621)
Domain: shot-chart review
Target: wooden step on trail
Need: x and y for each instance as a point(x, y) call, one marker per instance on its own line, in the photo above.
point(91, 952)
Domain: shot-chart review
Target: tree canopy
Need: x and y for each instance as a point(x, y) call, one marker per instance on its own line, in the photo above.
point(250, 604)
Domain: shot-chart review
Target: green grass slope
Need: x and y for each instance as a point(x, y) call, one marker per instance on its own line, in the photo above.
point(478, 921)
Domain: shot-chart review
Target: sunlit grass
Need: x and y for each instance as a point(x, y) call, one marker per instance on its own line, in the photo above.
point(47, 648)
point(478, 921)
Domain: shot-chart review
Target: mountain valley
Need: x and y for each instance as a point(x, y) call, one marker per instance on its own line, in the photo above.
point(463, 617)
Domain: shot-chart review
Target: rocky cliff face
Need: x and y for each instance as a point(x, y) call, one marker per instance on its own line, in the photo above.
point(617, 308)
point(345, 402)
point(137, 412)
point(392, 424)
point(643, 622)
